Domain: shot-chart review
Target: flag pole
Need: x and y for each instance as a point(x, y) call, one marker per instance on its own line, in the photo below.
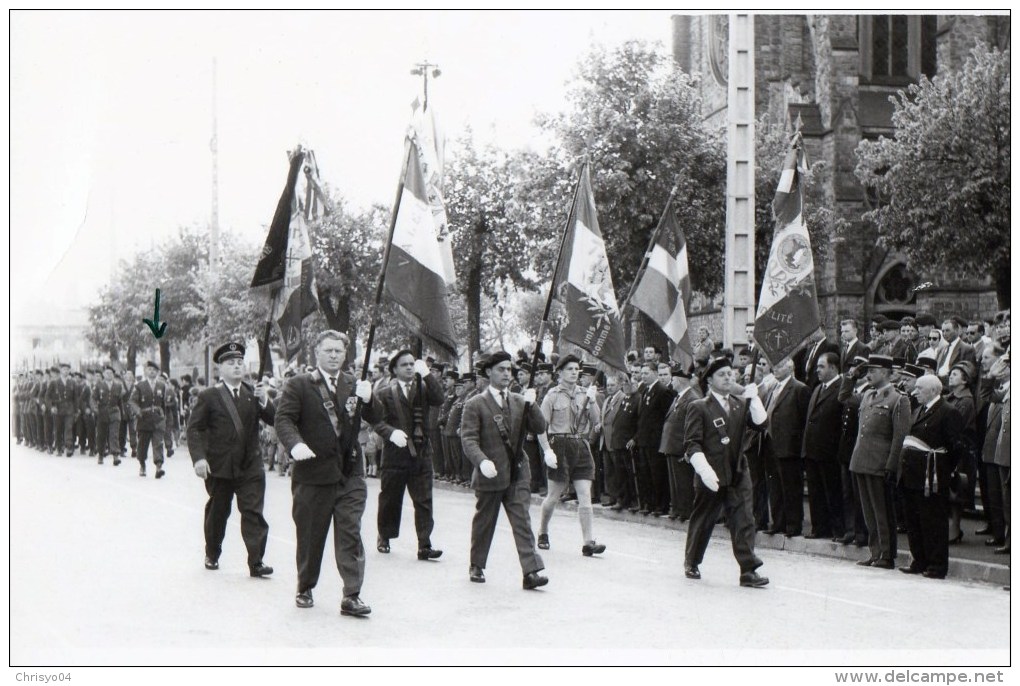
point(545, 312)
point(651, 245)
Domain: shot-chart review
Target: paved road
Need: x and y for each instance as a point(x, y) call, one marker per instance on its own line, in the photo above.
point(106, 568)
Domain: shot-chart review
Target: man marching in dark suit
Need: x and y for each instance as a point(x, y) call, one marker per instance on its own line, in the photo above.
point(490, 429)
point(327, 482)
point(713, 442)
point(223, 439)
point(821, 451)
point(402, 411)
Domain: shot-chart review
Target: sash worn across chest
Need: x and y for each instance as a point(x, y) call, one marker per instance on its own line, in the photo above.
point(228, 401)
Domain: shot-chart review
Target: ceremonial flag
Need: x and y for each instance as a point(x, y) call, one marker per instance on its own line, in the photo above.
point(425, 133)
point(788, 307)
point(294, 295)
point(583, 284)
point(663, 290)
point(415, 276)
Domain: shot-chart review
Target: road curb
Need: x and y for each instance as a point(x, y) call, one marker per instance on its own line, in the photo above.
point(959, 568)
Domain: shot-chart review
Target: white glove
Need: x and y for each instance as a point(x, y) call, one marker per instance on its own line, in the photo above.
point(488, 469)
point(592, 393)
point(550, 459)
point(705, 471)
point(363, 389)
point(301, 452)
point(398, 438)
point(421, 368)
point(202, 469)
point(530, 396)
point(750, 391)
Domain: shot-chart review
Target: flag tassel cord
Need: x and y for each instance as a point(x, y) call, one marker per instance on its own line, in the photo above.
point(651, 245)
point(548, 305)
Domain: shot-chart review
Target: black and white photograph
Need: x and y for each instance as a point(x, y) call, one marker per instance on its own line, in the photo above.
point(528, 338)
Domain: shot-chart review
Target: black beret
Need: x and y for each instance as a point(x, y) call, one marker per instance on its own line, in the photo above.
point(492, 360)
point(110, 367)
point(55, 369)
point(396, 356)
point(150, 363)
point(39, 372)
point(879, 318)
point(908, 321)
point(228, 351)
point(65, 364)
point(925, 319)
point(927, 363)
point(715, 365)
point(889, 325)
point(567, 359)
point(880, 362)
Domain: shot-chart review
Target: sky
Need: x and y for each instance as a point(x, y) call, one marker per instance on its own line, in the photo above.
point(111, 115)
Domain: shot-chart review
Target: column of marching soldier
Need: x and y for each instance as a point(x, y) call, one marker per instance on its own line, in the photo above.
point(887, 441)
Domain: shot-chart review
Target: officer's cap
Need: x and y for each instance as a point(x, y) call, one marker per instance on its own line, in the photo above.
point(880, 362)
point(913, 371)
point(927, 363)
point(228, 351)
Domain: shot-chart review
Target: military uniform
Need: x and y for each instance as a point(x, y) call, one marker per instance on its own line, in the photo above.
point(61, 399)
point(148, 400)
point(108, 395)
point(884, 422)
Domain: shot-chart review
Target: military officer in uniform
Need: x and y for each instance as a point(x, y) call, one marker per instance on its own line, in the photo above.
point(223, 439)
point(109, 393)
point(569, 412)
point(490, 430)
point(129, 417)
point(451, 429)
point(714, 439)
point(884, 420)
point(61, 399)
point(148, 402)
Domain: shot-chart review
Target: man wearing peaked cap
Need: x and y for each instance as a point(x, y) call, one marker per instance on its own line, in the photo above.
point(223, 438)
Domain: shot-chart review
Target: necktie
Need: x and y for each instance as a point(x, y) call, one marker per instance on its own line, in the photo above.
point(237, 397)
point(505, 400)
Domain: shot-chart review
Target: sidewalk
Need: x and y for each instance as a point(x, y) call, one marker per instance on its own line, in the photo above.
point(969, 560)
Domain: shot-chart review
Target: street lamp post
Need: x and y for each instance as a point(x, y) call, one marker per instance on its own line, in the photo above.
point(422, 69)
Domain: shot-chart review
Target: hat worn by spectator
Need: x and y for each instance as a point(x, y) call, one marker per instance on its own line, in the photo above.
point(880, 362)
point(565, 360)
point(960, 322)
point(110, 367)
point(879, 318)
point(925, 319)
point(908, 321)
point(55, 369)
point(451, 374)
point(966, 367)
point(468, 376)
point(889, 325)
point(913, 371)
point(681, 371)
point(715, 365)
point(383, 363)
point(150, 363)
point(589, 370)
point(227, 351)
point(492, 360)
point(65, 364)
point(927, 363)
point(525, 367)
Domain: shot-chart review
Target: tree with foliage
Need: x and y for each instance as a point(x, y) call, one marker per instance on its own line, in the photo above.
point(944, 179)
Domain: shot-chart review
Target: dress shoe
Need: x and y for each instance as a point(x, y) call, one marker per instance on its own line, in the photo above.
point(983, 531)
point(655, 513)
point(304, 599)
point(429, 553)
point(159, 472)
point(134, 453)
point(141, 472)
point(100, 460)
point(883, 564)
point(994, 542)
point(476, 574)
point(617, 507)
point(170, 453)
point(866, 563)
point(116, 461)
point(533, 580)
point(792, 534)
point(592, 548)
point(543, 541)
point(773, 531)
point(259, 569)
point(933, 574)
point(70, 453)
point(1004, 550)
point(753, 580)
point(911, 570)
point(691, 572)
point(211, 563)
point(860, 542)
point(353, 606)
point(383, 545)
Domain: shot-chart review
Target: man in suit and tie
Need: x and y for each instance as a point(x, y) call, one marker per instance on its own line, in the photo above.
point(821, 450)
point(328, 478)
point(786, 406)
point(653, 484)
point(850, 347)
point(806, 359)
point(681, 474)
point(713, 439)
point(223, 439)
point(610, 408)
point(956, 349)
point(620, 425)
point(490, 433)
point(402, 412)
